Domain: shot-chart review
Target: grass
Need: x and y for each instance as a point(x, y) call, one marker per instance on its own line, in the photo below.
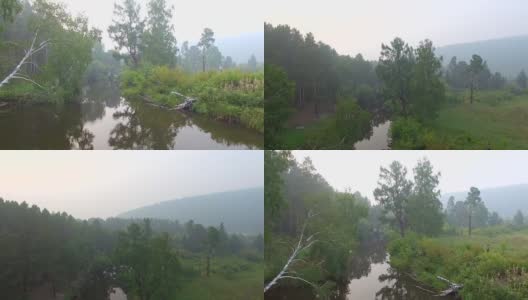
point(232, 278)
point(498, 120)
point(233, 96)
point(491, 264)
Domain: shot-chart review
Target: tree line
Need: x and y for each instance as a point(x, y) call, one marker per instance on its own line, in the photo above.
point(301, 208)
point(408, 83)
point(151, 40)
point(84, 259)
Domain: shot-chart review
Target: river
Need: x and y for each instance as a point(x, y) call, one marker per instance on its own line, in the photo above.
point(378, 139)
point(105, 120)
point(370, 277)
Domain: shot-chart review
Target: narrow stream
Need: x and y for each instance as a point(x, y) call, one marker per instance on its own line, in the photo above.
point(379, 140)
point(105, 120)
point(370, 277)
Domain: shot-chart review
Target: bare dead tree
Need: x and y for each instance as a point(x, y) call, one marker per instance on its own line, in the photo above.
point(302, 244)
point(33, 49)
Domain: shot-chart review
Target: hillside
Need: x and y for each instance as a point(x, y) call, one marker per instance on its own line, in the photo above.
point(505, 200)
point(507, 55)
point(241, 211)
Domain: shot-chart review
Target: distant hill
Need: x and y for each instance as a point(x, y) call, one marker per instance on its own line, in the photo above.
point(241, 211)
point(507, 55)
point(505, 200)
point(240, 48)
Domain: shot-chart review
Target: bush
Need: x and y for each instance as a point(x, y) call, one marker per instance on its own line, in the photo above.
point(232, 96)
point(407, 133)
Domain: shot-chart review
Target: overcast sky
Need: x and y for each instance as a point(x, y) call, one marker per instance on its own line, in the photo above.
point(360, 26)
point(227, 18)
point(359, 170)
point(106, 183)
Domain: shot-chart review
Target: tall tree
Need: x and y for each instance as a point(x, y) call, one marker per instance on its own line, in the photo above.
point(213, 238)
point(472, 201)
point(160, 47)
point(476, 66)
point(278, 92)
point(393, 193)
point(252, 63)
point(127, 29)
point(206, 41)
point(147, 263)
point(9, 9)
point(522, 80)
point(425, 208)
point(427, 88)
point(395, 68)
point(518, 219)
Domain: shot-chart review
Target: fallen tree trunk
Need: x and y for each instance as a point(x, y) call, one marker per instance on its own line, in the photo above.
point(453, 287)
point(33, 49)
point(187, 104)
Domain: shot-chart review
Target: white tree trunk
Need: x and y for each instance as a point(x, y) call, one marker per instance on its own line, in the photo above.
point(15, 74)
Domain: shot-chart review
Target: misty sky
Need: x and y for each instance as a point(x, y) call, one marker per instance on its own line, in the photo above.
point(360, 26)
point(106, 183)
point(227, 18)
point(359, 170)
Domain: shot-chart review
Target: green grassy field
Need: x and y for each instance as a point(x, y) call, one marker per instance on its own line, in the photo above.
point(232, 278)
point(497, 120)
point(491, 264)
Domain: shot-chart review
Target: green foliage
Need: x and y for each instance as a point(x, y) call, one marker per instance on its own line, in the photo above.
point(340, 131)
point(335, 224)
point(275, 164)
point(232, 96)
point(427, 88)
point(395, 70)
point(127, 30)
point(158, 39)
point(482, 265)
point(9, 9)
point(278, 92)
point(59, 67)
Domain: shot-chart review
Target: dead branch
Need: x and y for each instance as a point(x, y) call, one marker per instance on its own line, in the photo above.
point(302, 245)
point(15, 74)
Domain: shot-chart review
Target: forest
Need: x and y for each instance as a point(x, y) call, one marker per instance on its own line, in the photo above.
point(410, 98)
point(321, 243)
point(51, 255)
point(51, 60)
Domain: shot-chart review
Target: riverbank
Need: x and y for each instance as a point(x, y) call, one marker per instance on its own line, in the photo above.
point(341, 130)
point(491, 264)
point(232, 96)
point(106, 120)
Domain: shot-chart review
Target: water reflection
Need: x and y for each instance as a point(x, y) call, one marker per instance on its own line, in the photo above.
point(104, 120)
point(370, 277)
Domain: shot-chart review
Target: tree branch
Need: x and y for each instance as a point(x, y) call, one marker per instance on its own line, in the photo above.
point(302, 245)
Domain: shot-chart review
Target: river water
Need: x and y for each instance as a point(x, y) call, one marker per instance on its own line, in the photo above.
point(378, 139)
point(370, 278)
point(105, 120)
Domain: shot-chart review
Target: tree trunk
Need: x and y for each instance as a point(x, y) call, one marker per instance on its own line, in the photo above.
point(471, 87)
point(208, 265)
point(470, 224)
point(203, 62)
point(402, 228)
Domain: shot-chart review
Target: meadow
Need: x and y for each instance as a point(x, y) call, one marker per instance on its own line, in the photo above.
point(491, 264)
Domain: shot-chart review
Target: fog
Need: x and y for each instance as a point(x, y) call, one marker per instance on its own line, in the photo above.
point(361, 26)
point(460, 170)
point(227, 18)
point(106, 183)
